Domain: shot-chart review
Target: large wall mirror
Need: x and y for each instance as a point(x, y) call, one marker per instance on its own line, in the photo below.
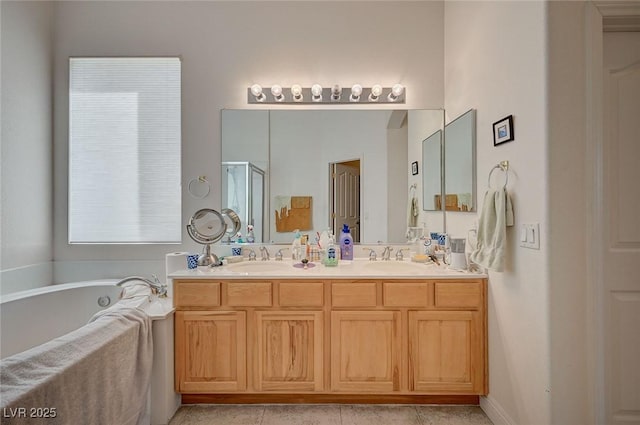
point(317, 169)
point(432, 172)
point(460, 163)
point(449, 166)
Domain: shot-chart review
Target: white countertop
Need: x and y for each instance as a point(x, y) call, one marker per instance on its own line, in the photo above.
point(359, 268)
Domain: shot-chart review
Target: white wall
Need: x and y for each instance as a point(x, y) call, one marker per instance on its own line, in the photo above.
point(247, 137)
point(495, 62)
point(568, 211)
point(27, 201)
point(225, 47)
point(307, 143)
point(397, 179)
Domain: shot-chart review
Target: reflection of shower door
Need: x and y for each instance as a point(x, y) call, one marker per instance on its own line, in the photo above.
point(244, 192)
point(345, 197)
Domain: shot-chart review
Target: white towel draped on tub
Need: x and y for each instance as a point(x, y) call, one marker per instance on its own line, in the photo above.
point(98, 374)
point(496, 215)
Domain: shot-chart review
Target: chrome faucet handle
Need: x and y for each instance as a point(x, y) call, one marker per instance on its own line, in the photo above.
point(279, 254)
point(252, 254)
point(161, 289)
point(372, 254)
point(265, 253)
point(399, 256)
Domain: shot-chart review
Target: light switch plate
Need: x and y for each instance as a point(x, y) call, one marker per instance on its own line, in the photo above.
point(530, 235)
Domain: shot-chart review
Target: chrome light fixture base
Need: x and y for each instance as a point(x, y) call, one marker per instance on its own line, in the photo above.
point(307, 98)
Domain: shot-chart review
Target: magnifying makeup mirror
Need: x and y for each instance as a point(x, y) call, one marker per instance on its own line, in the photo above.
point(233, 222)
point(207, 226)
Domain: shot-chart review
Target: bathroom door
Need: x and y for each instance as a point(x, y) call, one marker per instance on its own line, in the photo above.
point(345, 192)
point(621, 225)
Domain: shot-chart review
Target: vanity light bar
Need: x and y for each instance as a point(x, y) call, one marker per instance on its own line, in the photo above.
point(318, 95)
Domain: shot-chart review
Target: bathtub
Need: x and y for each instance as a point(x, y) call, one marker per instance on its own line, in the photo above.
point(33, 317)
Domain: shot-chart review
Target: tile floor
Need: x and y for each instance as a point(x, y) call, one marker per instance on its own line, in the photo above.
point(314, 414)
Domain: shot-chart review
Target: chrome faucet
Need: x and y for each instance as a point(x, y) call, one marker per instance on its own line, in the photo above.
point(279, 254)
point(386, 253)
point(372, 254)
point(156, 286)
point(265, 253)
point(252, 254)
point(399, 256)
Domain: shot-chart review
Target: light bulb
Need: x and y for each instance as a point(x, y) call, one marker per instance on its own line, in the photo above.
point(296, 92)
point(276, 91)
point(336, 92)
point(316, 91)
point(356, 91)
point(256, 90)
point(376, 91)
point(396, 91)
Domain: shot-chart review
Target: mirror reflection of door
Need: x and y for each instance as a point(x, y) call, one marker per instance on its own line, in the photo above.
point(345, 197)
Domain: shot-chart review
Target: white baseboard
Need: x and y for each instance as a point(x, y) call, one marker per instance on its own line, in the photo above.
point(26, 277)
point(495, 412)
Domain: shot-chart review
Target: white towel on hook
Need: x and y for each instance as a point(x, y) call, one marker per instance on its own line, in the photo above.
point(412, 212)
point(496, 215)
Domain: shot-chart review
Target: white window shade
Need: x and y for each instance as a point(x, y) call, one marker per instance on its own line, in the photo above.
point(124, 150)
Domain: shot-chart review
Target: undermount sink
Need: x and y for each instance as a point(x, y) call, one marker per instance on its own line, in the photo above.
point(258, 266)
point(393, 266)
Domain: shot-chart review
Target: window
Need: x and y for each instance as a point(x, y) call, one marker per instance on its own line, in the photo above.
point(124, 150)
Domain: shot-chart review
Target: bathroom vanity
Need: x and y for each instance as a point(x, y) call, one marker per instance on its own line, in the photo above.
point(352, 333)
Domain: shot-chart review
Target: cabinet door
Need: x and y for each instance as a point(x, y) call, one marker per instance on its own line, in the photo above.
point(365, 351)
point(210, 350)
point(446, 353)
point(289, 351)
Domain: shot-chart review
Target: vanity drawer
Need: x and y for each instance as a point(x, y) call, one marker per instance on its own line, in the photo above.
point(249, 294)
point(193, 293)
point(458, 294)
point(301, 294)
point(353, 294)
point(405, 294)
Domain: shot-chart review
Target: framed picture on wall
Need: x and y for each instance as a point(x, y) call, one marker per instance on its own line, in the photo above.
point(503, 130)
point(414, 168)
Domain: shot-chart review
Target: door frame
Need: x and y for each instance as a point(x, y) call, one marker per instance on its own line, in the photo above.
point(600, 15)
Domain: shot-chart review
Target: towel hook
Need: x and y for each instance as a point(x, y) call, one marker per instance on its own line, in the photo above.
point(504, 167)
point(199, 187)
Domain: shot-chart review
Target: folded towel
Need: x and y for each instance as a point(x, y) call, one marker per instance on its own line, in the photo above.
point(98, 374)
point(496, 215)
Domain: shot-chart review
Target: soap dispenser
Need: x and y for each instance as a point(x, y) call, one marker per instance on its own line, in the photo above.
point(346, 244)
point(296, 245)
point(332, 254)
point(250, 236)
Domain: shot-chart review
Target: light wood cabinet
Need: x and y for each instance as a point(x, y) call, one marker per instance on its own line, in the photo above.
point(334, 337)
point(210, 351)
point(289, 351)
point(365, 351)
point(446, 352)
